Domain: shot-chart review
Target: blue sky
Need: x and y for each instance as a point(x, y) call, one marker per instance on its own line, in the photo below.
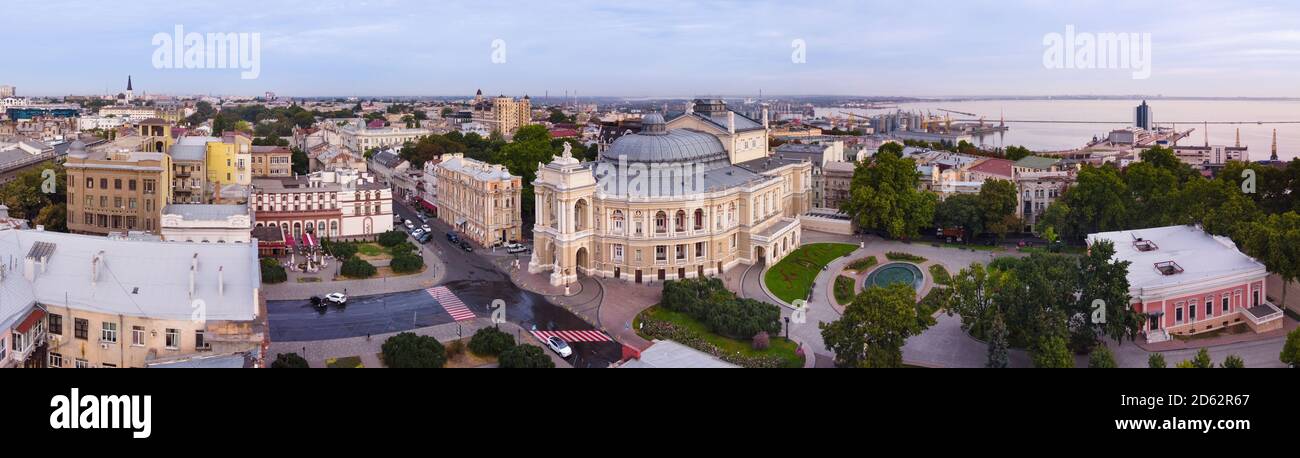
point(656, 47)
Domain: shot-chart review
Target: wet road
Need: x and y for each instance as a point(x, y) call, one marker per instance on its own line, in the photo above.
point(472, 277)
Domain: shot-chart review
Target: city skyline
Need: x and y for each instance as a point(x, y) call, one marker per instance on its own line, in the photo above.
point(667, 49)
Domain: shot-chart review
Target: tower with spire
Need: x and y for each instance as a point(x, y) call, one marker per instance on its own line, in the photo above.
point(130, 92)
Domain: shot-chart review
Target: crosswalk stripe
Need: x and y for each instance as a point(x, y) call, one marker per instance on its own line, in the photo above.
point(573, 336)
point(450, 303)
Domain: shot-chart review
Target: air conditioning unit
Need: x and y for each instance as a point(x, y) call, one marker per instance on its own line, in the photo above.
point(103, 346)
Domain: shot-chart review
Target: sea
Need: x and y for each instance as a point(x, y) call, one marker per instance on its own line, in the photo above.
point(1079, 120)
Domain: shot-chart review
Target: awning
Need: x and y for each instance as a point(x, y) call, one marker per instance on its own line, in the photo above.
point(31, 320)
point(428, 205)
point(289, 239)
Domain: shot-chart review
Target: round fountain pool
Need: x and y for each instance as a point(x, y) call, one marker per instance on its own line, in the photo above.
point(896, 273)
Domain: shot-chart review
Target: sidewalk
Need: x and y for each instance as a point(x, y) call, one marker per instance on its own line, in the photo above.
point(317, 352)
point(608, 305)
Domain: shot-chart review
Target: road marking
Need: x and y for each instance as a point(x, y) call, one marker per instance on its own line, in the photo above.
point(450, 303)
point(573, 336)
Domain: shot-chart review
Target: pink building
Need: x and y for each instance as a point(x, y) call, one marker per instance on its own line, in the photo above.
point(1187, 281)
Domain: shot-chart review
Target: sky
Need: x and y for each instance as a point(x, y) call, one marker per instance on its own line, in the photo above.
point(655, 48)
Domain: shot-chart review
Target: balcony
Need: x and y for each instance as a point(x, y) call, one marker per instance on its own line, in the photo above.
point(1263, 313)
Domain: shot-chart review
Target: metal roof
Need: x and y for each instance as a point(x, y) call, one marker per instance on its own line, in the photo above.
point(677, 145)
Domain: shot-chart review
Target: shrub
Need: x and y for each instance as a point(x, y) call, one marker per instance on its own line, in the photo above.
point(342, 250)
point(863, 264)
point(406, 263)
point(455, 348)
point(844, 289)
point(900, 256)
point(1202, 360)
point(289, 361)
point(403, 248)
point(708, 301)
point(1101, 358)
point(1291, 350)
point(491, 342)
point(761, 341)
point(1156, 361)
point(391, 238)
point(525, 357)
point(409, 350)
point(354, 267)
point(272, 271)
point(1233, 362)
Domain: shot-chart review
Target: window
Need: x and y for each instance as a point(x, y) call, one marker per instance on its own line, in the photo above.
point(117, 183)
point(1191, 311)
point(56, 360)
point(1209, 306)
point(618, 221)
point(618, 252)
point(1178, 314)
point(137, 336)
point(90, 183)
point(661, 253)
point(81, 328)
point(661, 222)
point(1225, 303)
point(82, 364)
point(699, 249)
point(681, 252)
point(173, 338)
point(55, 324)
point(198, 339)
point(108, 333)
point(130, 185)
point(103, 183)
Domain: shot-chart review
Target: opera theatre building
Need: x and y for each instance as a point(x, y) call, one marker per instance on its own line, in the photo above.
point(688, 197)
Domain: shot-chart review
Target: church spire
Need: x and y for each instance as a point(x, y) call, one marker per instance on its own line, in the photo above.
point(128, 82)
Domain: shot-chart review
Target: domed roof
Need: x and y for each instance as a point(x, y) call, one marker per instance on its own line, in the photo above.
point(77, 148)
point(659, 146)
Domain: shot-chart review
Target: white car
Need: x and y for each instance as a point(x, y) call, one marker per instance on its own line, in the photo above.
point(559, 346)
point(515, 248)
point(426, 228)
point(409, 225)
point(337, 298)
point(416, 233)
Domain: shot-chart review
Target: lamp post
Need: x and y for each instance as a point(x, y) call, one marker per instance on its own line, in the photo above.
point(787, 328)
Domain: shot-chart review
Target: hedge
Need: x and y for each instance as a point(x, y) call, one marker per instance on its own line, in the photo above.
point(406, 263)
point(491, 342)
point(708, 301)
point(354, 267)
point(408, 350)
point(272, 271)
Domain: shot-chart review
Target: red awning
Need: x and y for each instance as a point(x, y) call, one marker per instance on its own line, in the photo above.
point(31, 320)
point(288, 239)
point(428, 205)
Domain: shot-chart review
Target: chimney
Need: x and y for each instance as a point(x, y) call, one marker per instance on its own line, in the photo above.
point(731, 122)
point(765, 118)
point(94, 267)
point(29, 269)
point(221, 285)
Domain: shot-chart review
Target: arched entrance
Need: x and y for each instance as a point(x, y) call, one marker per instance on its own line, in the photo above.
point(581, 259)
point(760, 254)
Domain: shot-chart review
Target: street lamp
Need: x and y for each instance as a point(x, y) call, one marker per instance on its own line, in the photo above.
point(787, 328)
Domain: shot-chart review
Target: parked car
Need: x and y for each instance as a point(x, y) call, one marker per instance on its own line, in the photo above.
point(426, 228)
point(559, 346)
point(397, 219)
point(423, 219)
point(409, 225)
point(337, 298)
point(466, 246)
point(451, 237)
point(515, 248)
point(417, 233)
point(424, 238)
point(317, 302)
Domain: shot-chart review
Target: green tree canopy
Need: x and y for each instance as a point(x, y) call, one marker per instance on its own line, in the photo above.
point(884, 197)
point(874, 327)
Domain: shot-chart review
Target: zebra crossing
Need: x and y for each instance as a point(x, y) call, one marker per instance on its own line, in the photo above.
point(451, 303)
point(573, 336)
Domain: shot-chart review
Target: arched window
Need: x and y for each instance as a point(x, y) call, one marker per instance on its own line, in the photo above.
point(699, 219)
point(636, 219)
point(661, 222)
point(334, 228)
point(679, 221)
point(731, 214)
point(618, 221)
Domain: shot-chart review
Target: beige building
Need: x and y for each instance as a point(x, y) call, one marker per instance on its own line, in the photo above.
point(272, 162)
point(1038, 190)
point(114, 190)
point(79, 301)
point(670, 203)
point(479, 200)
point(503, 114)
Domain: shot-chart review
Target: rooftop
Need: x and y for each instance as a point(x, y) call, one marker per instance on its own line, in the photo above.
point(666, 354)
point(1037, 162)
point(1157, 254)
point(205, 212)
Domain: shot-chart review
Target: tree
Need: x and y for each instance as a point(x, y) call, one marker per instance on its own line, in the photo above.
point(997, 334)
point(874, 327)
point(1016, 153)
point(1202, 360)
point(1099, 200)
point(1156, 361)
point(406, 262)
point(893, 148)
point(491, 342)
point(1233, 362)
point(301, 163)
point(1102, 279)
point(272, 271)
point(410, 350)
point(289, 361)
point(1291, 350)
point(884, 196)
point(961, 210)
point(1101, 358)
point(26, 197)
point(997, 199)
point(1052, 352)
point(972, 298)
point(525, 357)
point(1274, 241)
point(355, 267)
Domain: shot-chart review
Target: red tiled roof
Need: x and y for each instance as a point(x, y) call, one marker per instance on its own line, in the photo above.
point(994, 166)
point(376, 124)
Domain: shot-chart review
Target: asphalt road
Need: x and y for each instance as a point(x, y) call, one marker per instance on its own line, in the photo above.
point(294, 321)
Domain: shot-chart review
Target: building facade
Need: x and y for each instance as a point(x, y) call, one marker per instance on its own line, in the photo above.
point(479, 200)
point(207, 223)
point(669, 203)
point(334, 204)
point(272, 161)
point(115, 191)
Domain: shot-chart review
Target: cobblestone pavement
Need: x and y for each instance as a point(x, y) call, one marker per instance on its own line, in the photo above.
point(368, 349)
point(608, 304)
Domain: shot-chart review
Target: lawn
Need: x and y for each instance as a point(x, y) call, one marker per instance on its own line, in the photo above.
point(791, 278)
point(844, 289)
point(346, 362)
point(372, 251)
point(940, 274)
point(781, 352)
